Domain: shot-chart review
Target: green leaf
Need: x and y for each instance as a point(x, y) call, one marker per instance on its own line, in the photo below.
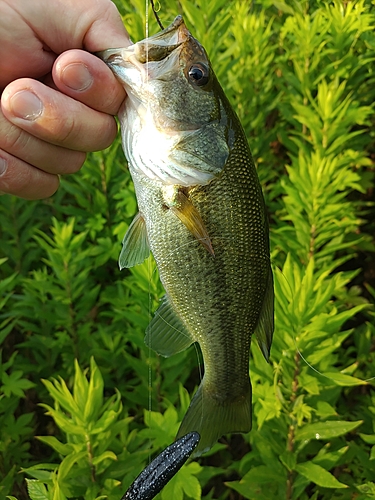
point(173, 489)
point(162, 427)
point(37, 490)
point(280, 5)
point(63, 449)
point(288, 459)
point(329, 459)
point(109, 416)
point(261, 482)
point(318, 475)
point(94, 400)
point(368, 438)
point(42, 472)
point(367, 489)
point(344, 380)
point(14, 384)
point(80, 389)
point(57, 492)
point(185, 481)
point(325, 410)
point(60, 393)
point(325, 430)
point(264, 474)
point(68, 463)
point(104, 456)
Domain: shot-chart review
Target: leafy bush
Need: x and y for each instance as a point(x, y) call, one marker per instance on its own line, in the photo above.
point(84, 403)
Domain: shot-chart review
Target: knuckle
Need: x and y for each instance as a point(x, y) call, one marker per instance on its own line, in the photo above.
point(10, 135)
point(106, 133)
point(64, 131)
point(73, 163)
point(16, 140)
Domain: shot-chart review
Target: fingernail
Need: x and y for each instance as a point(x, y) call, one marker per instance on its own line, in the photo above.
point(3, 166)
point(77, 77)
point(26, 105)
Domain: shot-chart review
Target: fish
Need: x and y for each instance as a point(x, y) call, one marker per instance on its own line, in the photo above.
point(202, 215)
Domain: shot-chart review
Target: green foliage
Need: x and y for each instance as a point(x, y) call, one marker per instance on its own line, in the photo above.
point(301, 77)
point(96, 446)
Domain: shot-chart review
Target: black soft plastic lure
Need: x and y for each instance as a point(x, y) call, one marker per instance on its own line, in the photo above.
point(161, 470)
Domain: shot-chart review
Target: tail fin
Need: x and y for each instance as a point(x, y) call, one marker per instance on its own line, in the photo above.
point(212, 418)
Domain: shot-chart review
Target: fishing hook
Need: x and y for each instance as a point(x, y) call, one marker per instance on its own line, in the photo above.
point(161, 470)
point(156, 14)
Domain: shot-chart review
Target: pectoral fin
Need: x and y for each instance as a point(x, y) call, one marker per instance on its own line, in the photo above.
point(166, 334)
point(135, 247)
point(265, 326)
point(183, 208)
point(196, 149)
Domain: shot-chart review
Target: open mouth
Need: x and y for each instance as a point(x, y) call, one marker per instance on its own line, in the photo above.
point(152, 49)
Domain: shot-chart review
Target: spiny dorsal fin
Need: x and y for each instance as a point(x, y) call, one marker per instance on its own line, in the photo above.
point(166, 334)
point(135, 247)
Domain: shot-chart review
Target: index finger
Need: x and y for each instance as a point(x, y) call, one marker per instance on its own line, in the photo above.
point(87, 79)
point(56, 118)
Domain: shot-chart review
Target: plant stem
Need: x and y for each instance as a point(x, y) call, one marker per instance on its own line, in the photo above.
point(105, 191)
point(90, 455)
point(72, 326)
point(290, 438)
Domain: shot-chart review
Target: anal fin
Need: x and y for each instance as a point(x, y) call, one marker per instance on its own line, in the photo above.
point(166, 334)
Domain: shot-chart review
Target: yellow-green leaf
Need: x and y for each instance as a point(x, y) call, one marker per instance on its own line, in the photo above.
point(326, 430)
point(318, 475)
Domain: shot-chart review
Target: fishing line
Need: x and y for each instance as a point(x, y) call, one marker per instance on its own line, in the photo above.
point(294, 337)
point(199, 356)
point(155, 11)
point(150, 273)
point(198, 353)
point(149, 382)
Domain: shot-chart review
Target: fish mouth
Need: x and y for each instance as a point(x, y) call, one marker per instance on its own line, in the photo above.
point(150, 50)
point(154, 57)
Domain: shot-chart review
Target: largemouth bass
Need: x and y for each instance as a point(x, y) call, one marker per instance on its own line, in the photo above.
point(202, 214)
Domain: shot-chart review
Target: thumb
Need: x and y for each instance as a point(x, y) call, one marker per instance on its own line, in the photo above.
point(106, 30)
point(92, 25)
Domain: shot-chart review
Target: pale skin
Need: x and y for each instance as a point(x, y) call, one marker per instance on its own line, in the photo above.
point(58, 100)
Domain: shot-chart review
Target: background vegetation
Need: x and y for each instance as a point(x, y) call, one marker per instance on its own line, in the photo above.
point(83, 402)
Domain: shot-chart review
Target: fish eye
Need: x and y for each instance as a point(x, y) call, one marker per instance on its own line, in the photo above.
point(199, 74)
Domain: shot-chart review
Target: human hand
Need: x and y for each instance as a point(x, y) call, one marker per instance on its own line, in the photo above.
point(54, 108)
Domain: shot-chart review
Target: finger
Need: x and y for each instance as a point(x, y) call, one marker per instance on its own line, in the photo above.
point(21, 51)
point(87, 79)
point(104, 28)
point(92, 25)
point(23, 180)
point(55, 117)
point(43, 155)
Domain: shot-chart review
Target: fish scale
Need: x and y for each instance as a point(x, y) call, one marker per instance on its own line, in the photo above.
point(209, 236)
